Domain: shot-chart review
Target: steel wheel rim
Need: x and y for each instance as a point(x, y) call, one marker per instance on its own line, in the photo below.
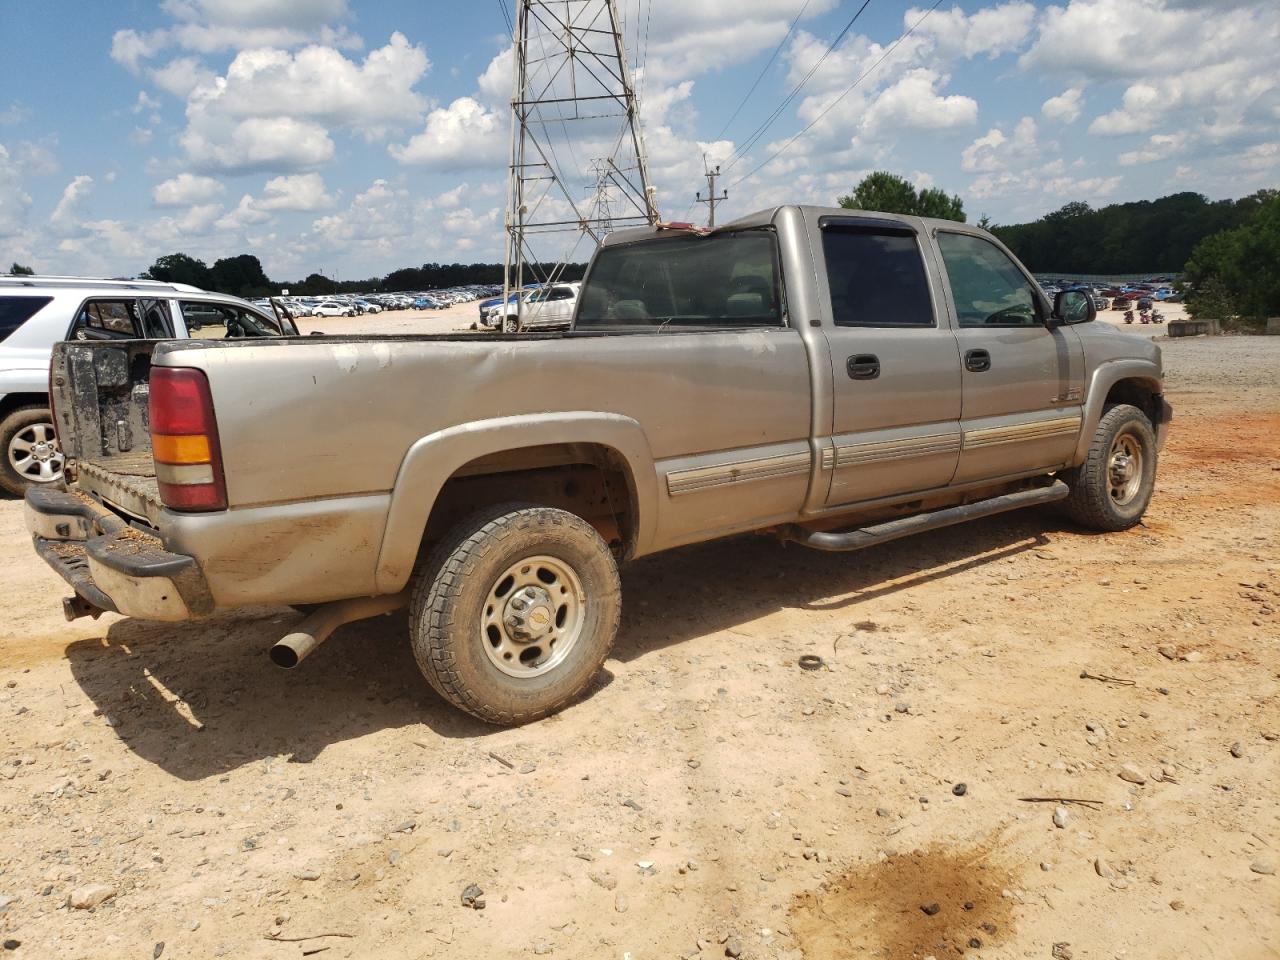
point(35, 455)
point(532, 617)
point(1124, 469)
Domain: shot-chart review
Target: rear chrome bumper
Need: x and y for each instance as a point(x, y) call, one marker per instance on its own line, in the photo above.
point(110, 564)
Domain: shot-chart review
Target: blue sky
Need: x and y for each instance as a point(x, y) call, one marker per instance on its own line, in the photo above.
point(355, 137)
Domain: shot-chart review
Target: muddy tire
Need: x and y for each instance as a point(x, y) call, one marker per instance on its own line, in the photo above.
point(1112, 488)
point(514, 612)
point(29, 451)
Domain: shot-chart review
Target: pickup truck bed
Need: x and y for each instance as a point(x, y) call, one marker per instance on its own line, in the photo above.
point(834, 377)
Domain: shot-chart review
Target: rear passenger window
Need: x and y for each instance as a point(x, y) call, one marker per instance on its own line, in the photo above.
point(877, 278)
point(110, 319)
point(15, 311)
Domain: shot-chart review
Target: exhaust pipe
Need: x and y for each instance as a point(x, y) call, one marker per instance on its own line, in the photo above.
point(316, 627)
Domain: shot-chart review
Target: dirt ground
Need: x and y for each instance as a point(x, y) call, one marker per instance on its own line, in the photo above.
point(709, 798)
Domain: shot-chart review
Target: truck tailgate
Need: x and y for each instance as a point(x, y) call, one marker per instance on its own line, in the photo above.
point(100, 392)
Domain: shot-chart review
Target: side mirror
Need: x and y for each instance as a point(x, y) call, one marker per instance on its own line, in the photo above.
point(1073, 306)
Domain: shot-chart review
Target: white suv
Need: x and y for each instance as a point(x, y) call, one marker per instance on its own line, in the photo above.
point(546, 308)
point(36, 312)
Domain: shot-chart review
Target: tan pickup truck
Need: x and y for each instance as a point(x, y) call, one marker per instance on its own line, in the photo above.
point(836, 378)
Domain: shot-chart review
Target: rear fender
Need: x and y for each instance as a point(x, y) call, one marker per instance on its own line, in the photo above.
point(432, 460)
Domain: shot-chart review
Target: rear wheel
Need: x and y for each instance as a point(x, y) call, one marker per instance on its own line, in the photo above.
point(31, 450)
point(1112, 488)
point(515, 611)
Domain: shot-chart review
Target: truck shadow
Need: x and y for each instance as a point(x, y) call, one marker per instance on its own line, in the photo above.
point(200, 699)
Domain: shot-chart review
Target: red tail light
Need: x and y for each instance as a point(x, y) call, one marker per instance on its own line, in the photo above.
point(184, 440)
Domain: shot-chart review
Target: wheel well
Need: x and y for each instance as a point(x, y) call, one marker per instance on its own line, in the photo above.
point(13, 401)
point(1139, 393)
point(590, 480)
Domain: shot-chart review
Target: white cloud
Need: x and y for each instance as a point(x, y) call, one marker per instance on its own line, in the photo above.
point(273, 110)
point(13, 114)
point(1209, 68)
point(211, 26)
point(991, 31)
point(1263, 157)
point(300, 192)
point(186, 189)
point(298, 14)
point(913, 102)
point(67, 217)
point(260, 144)
point(1159, 147)
point(144, 102)
point(320, 84)
point(1065, 106)
point(181, 75)
point(464, 134)
point(37, 157)
point(14, 200)
point(129, 47)
point(995, 151)
point(304, 191)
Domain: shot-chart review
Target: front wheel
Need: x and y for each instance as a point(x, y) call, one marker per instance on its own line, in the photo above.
point(31, 451)
point(515, 611)
point(510, 325)
point(1112, 488)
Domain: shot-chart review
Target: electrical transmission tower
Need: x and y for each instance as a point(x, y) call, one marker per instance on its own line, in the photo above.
point(711, 199)
point(571, 93)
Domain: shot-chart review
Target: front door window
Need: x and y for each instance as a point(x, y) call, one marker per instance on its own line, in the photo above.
point(988, 289)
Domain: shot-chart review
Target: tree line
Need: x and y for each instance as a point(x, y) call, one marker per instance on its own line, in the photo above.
point(1146, 236)
point(1227, 250)
point(244, 276)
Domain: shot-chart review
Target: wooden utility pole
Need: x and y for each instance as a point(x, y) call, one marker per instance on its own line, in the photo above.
point(711, 199)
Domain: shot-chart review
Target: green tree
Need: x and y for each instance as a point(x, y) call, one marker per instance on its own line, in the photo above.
point(890, 193)
point(241, 275)
point(18, 270)
point(935, 203)
point(1238, 270)
point(179, 268)
point(1147, 236)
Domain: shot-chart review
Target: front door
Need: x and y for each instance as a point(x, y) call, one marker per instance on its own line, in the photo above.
point(896, 373)
point(1023, 381)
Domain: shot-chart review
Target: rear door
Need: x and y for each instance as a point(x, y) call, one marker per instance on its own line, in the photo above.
point(1023, 381)
point(896, 407)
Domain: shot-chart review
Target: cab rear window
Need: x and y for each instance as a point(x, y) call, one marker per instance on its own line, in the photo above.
point(15, 311)
point(723, 280)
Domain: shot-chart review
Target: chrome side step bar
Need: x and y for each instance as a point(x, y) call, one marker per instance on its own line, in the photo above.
point(838, 541)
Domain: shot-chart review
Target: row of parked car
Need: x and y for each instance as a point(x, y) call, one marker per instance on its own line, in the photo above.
point(354, 305)
point(1119, 296)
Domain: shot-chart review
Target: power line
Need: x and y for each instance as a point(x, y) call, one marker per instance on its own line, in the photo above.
point(760, 130)
point(847, 90)
point(760, 76)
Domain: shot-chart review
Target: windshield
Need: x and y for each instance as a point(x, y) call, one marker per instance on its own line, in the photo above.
point(722, 280)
